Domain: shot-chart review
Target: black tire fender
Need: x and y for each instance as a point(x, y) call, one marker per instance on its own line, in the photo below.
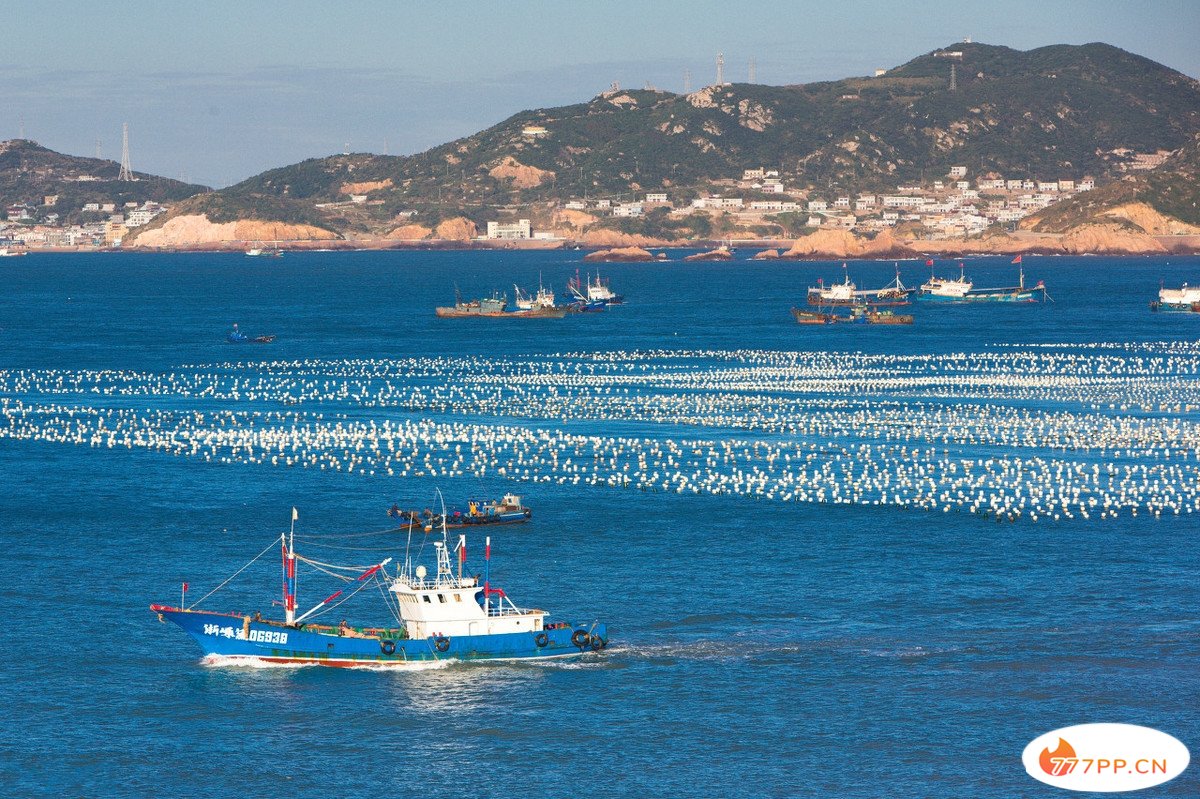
point(387, 647)
point(581, 639)
point(541, 639)
point(442, 643)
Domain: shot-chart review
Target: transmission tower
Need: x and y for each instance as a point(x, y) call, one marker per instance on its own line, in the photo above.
point(126, 171)
point(720, 69)
point(687, 81)
point(953, 78)
point(97, 149)
point(753, 71)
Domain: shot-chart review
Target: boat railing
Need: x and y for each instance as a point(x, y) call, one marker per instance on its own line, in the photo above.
point(436, 583)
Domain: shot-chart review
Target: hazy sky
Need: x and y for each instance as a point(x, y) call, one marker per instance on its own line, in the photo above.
point(217, 91)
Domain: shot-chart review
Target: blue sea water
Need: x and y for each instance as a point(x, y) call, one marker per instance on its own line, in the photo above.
point(760, 648)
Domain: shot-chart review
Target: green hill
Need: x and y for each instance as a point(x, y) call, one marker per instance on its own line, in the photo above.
point(30, 172)
point(1170, 190)
point(1060, 111)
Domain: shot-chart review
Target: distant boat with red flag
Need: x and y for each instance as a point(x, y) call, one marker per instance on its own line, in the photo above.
point(447, 615)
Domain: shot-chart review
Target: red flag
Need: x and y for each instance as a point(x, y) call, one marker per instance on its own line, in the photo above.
point(1017, 260)
point(185, 588)
point(929, 262)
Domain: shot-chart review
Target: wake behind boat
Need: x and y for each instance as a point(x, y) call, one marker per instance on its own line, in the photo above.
point(447, 616)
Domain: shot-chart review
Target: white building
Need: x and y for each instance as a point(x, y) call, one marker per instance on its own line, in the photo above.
point(509, 230)
point(656, 198)
point(817, 205)
point(958, 171)
point(628, 209)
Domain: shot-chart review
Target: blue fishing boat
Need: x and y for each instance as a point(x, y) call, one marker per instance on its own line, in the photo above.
point(962, 290)
point(447, 615)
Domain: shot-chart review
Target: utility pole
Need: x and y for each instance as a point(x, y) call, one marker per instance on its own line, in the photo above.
point(953, 78)
point(720, 69)
point(126, 172)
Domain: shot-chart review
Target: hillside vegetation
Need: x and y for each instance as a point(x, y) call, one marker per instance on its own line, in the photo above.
point(1050, 113)
point(30, 172)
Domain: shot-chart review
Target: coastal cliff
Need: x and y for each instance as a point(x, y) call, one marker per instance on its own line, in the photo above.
point(197, 230)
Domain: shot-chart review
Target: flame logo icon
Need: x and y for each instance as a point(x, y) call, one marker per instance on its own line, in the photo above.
point(1056, 763)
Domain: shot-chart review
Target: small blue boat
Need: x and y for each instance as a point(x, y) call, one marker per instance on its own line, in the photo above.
point(235, 336)
point(449, 615)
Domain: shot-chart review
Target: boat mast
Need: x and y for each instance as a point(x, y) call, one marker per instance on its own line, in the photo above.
point(462, 556)
point(289, 586)
point(487, 573)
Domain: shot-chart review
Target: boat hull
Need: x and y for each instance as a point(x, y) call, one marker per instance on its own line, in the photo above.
point(535, 313)
point(1002, 296)
point(240, 638)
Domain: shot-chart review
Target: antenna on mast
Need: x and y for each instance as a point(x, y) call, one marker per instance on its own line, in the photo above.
point(720, 69)
point(687, 81)
point(753, 71)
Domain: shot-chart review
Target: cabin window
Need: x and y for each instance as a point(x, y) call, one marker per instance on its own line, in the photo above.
point(427, 599)
point(458, 597)
point(442, 598)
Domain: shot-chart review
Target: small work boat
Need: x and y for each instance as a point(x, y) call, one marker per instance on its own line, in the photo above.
point(449, 615)
point(235, 336)
point(508, 510)
point(265, 252)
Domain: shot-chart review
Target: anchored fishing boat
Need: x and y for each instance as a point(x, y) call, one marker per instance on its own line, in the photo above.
point(598, 293)
point(861, 313)
point(962, 290)
point(448, 615)
point(508, 510)
point(525, 302)
point(847, 293)
point(495, 307)
point(844, 293)
point(1185, 299)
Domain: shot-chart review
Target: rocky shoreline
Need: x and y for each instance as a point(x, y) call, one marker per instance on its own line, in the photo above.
point(823, 245)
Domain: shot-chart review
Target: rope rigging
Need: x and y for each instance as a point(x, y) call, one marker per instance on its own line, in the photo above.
point(270, 546)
